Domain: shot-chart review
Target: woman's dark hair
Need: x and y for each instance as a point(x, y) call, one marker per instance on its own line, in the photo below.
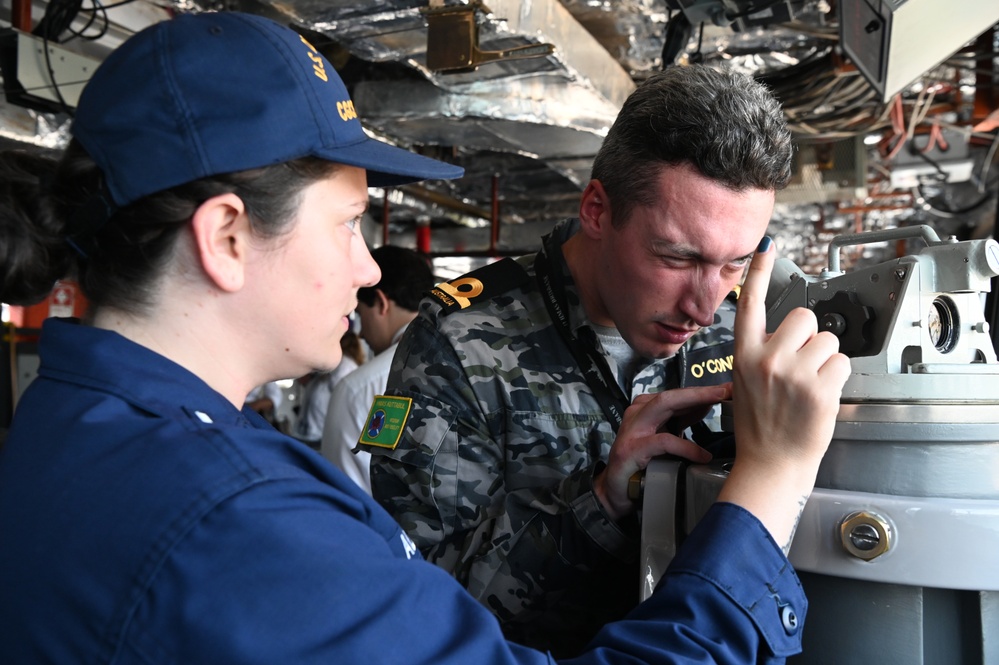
point(33, 253)
point(119, 265)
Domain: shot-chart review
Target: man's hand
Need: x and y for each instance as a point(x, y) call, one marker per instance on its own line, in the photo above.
point(642, 437)
point(786, 390)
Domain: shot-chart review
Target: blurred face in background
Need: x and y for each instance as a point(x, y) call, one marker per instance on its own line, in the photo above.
point(375, 323)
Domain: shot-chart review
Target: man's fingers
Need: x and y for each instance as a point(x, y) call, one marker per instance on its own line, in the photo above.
point(751, 316)
point(653, 412)
point(688, 450)
point(643, 398)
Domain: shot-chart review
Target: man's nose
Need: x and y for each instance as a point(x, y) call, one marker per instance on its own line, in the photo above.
point(702, 298)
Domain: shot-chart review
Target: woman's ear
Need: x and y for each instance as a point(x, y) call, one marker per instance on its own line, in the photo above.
point(594, 209)
point(221, 230)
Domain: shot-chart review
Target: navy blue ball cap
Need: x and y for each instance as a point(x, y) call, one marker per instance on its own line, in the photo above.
point(205, 94)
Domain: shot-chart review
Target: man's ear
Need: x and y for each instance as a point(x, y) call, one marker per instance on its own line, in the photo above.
point(594, 210)
point(382, 302)
point(221, 233)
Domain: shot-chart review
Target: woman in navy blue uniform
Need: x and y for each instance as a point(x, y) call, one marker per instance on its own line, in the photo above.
point(208, 205)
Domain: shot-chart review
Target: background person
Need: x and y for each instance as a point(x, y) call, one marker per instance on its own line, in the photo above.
point(512, 469)
point(317, 387)
point(384, 310)
point(265, 400)
point(147, 519)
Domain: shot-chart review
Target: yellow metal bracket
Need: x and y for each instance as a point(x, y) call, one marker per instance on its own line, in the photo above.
point(453, 40)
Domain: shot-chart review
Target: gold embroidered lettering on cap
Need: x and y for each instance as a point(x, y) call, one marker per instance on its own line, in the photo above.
point(317, 66)
point(346, 110)
point(306, 42)
point(317, 61)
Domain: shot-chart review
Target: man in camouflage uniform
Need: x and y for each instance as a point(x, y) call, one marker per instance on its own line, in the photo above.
point(508, 444)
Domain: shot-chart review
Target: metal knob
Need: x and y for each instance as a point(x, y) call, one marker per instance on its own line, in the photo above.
point(865, 535)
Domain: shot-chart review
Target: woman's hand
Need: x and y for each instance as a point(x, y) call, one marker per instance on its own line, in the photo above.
point(786, 391)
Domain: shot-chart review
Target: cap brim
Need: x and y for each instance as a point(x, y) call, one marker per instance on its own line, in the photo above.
point(388, 165)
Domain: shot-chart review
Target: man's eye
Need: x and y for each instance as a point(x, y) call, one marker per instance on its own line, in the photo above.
point(672, 260)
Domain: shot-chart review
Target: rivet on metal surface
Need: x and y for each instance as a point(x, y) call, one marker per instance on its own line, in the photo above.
point(865, 535)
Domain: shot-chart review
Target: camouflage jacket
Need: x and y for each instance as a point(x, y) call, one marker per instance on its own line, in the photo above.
point(492, 473)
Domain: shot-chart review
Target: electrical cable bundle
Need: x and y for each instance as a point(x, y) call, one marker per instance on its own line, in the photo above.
point(60, 14)
point(823, 101)
point(58, 19)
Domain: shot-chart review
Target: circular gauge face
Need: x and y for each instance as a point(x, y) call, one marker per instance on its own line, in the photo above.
point(942, 325)
point(934, 325)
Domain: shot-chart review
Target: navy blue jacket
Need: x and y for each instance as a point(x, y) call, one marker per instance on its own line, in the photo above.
point(144, 519)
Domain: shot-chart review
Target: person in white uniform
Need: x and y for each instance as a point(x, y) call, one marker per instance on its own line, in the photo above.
point(318, 388)
point(385, 310)
point(265, 398)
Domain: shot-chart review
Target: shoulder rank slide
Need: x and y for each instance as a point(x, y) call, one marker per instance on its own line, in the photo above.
point(482, 283)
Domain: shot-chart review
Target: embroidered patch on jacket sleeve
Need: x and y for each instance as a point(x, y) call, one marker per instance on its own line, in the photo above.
point(385, 421)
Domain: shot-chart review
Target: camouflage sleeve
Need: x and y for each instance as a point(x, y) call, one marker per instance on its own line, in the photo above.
point(446, 484)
